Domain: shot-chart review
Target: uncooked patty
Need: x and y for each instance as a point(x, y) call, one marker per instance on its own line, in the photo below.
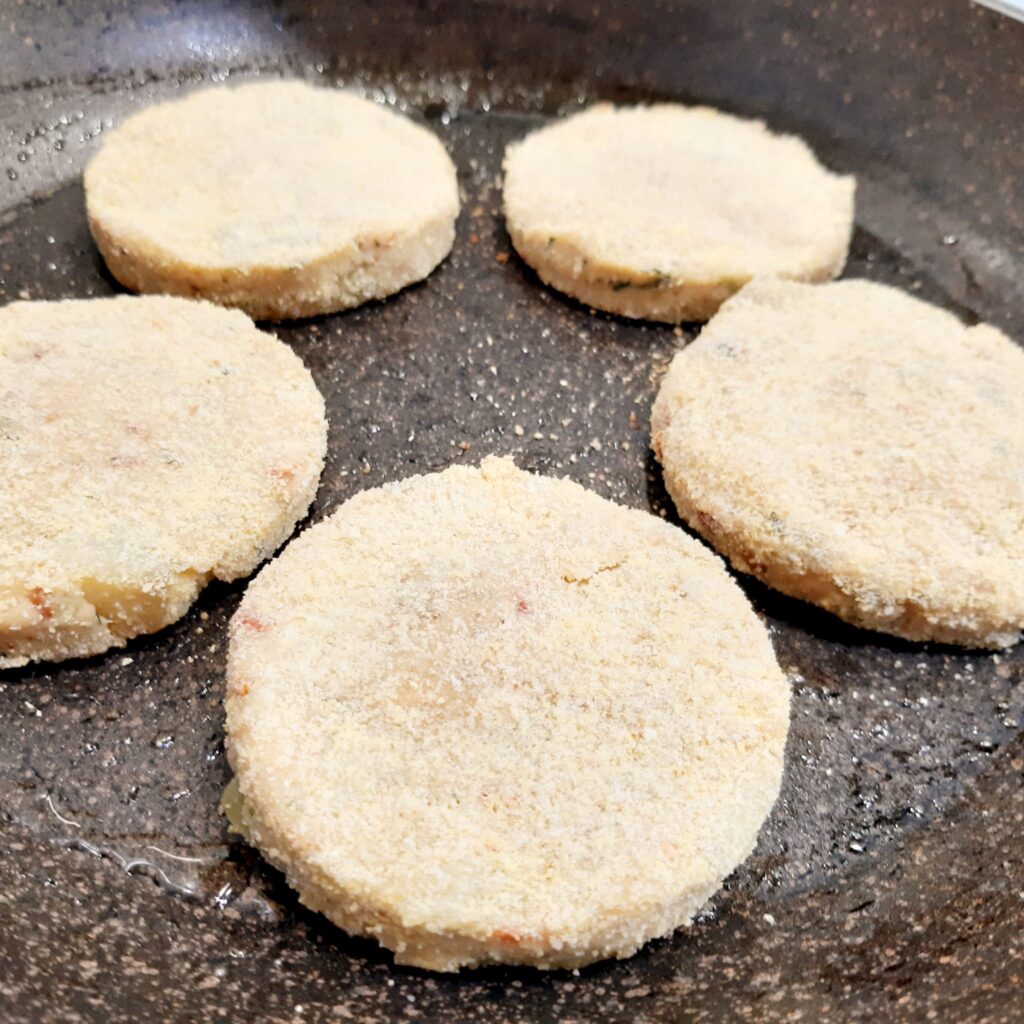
point(279, 198)
point(663, 212)
point(856, 447)
point(487, 716)
point(146, 446)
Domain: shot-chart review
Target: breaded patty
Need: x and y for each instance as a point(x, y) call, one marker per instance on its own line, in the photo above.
point(663, 212)
point(279, 198)
point(147, 445)
point(856, 447)
point(486, 716)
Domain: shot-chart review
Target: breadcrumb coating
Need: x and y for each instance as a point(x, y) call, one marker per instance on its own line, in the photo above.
point(147, 445)
point(855, 447)
point(663, 212)
point(486, 716)
point(280, 198)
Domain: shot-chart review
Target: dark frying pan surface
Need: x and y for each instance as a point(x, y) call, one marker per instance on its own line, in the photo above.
point(888, 883)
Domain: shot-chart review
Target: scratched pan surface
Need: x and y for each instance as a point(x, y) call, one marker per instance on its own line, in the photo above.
point(889, 882)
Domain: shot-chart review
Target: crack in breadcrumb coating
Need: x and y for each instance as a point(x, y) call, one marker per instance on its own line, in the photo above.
point(663, 212)
point(855, 447)
point(484, 716)
point(280, 198)
point(147, 445)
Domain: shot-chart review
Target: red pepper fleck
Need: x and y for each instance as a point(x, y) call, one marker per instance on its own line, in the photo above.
point(522, 605)
point(38, 598)
point(502, 257)
point(755, 566)
point(707, 521)
point(256, 625)
point(287, 475)
point(507, 937)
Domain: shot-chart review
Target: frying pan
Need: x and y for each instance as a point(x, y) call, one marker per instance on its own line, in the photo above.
point(889, 882)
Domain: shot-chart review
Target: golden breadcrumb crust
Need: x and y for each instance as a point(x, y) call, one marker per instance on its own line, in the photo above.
point(858, 448)
point(279, 198)
point(663, 212)
point(486, 716)
point(147, 445)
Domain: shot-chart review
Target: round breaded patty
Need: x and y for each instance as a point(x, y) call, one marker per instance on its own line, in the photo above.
point(279, 198)
point(663, 212)
point(856, 447)
point(486, 716)
point(147, 445)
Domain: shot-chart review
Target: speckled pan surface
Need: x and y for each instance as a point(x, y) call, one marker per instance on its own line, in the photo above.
point(887, 884)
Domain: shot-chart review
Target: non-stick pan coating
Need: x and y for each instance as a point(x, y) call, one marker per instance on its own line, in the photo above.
point(889, 882)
